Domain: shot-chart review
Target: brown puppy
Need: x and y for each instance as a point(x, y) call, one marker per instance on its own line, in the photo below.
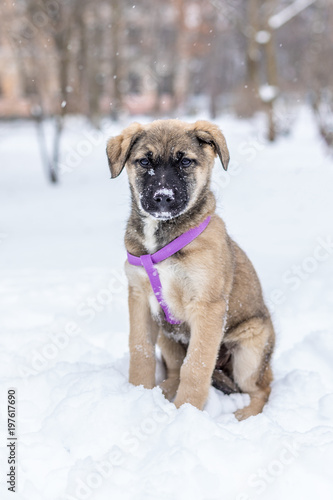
point(226, 335)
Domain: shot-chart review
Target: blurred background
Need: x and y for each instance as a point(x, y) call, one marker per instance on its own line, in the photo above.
point(114, 58)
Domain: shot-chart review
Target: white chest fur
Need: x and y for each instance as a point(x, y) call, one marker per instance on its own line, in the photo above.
point(149, 230)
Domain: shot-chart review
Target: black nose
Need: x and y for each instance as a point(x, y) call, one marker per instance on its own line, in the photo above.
point(163, 198)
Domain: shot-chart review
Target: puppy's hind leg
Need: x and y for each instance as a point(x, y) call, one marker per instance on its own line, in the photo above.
point(173, 354)
point(251, 363)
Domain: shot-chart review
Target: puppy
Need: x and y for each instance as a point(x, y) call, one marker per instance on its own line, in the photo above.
point(208, 317)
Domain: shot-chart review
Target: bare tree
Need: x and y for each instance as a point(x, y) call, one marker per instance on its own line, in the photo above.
point(116, 59)
point(318, 75)
point(271, 69)
point(181, 61)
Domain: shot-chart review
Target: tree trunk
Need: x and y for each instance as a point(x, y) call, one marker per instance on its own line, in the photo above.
point(271, 69)
point(181, 84)
point(252, 53)
point(116, 76)
point(82, 58)
point(94, 65)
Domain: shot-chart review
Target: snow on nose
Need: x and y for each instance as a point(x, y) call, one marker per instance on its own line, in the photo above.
point(164, 193)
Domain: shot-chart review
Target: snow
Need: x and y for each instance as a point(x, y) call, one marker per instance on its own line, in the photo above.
point(83, 431)
point(263, 37)
point(163, 215)
point(167, 192)
point(292, 10)
point(268, 92)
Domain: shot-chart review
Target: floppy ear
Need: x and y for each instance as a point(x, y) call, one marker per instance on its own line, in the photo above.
point(118, 148)
point(209, 133)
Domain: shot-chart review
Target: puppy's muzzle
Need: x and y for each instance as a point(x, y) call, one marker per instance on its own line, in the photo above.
point(163, 203)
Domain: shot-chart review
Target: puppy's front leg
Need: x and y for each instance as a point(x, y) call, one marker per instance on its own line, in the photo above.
point(196, 371)
point(142, 340)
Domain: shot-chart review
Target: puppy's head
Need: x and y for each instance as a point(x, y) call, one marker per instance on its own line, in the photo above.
point(168, 163)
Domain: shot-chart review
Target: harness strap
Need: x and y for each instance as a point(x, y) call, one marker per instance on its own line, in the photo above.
point(148, 261)
point(157, 287)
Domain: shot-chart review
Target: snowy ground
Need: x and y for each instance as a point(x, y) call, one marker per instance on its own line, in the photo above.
point(83, 431)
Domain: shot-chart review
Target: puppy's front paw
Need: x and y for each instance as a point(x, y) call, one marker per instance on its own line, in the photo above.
point(195, 399)
point(178, 402)
point(169, 387)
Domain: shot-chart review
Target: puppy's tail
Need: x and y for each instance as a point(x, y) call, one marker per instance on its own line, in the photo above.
point(222, 382)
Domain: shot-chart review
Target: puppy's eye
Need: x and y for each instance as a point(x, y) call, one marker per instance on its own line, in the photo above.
point(144, 162)
point(186, 162)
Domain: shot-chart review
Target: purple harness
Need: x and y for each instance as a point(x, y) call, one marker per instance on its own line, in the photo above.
point(148, 261)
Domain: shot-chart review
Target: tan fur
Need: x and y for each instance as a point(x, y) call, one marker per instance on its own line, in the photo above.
point(174, 354)
point(210, 285)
